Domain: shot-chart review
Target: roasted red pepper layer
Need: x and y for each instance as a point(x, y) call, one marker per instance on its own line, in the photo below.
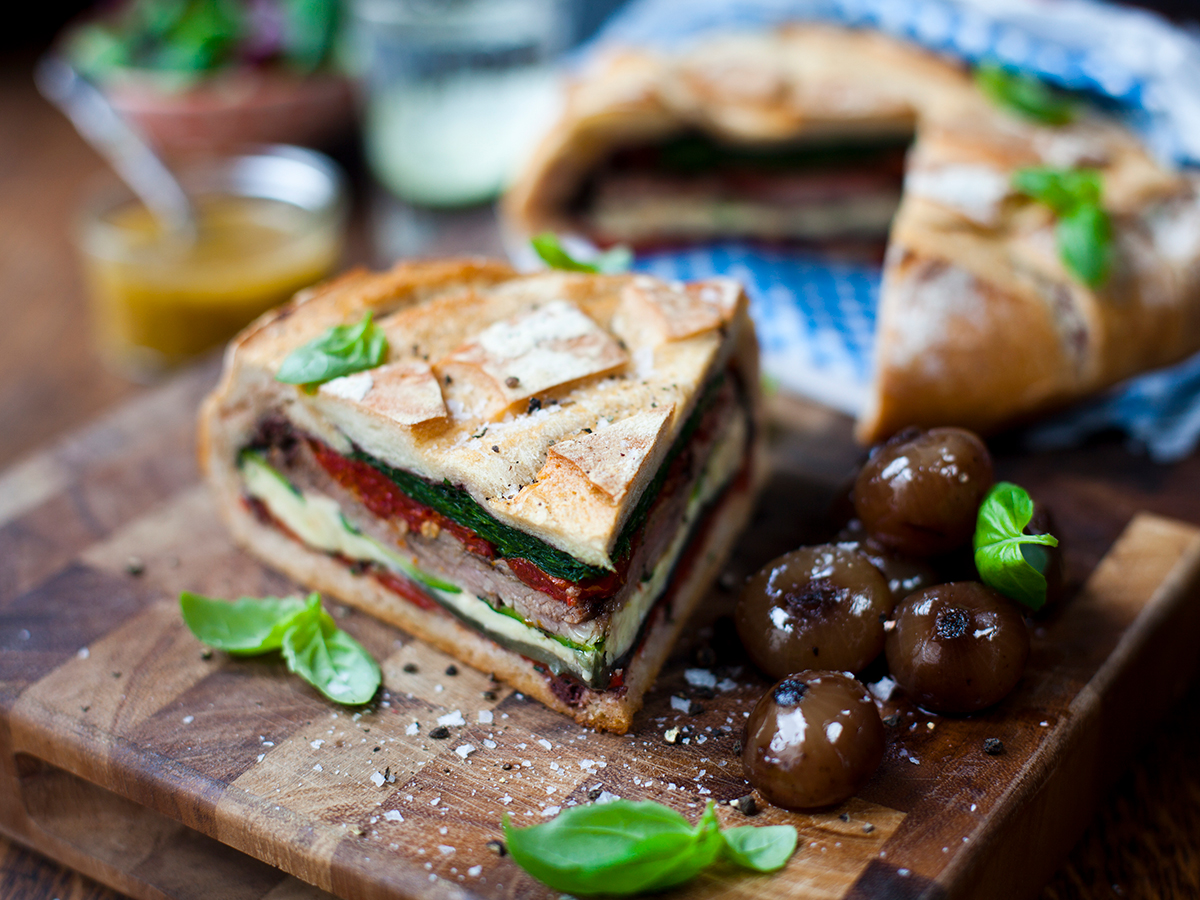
point(386, 500)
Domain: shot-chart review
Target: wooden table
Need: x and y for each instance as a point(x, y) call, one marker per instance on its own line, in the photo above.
point(1145, 842)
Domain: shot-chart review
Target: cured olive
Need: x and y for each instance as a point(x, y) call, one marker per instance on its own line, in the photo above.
point(904, 573)
point(812, 740)
point(823, 605)
point(919, 493)
point(957, 648)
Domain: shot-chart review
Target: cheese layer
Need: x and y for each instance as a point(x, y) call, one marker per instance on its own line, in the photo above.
point(587, 650)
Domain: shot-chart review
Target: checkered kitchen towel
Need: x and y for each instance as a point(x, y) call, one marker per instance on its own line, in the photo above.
point(817, 318)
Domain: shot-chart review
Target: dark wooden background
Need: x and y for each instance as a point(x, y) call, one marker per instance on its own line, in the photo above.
point(1144, 843)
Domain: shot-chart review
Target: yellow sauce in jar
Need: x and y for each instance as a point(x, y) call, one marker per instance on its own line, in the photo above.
point(160, 298)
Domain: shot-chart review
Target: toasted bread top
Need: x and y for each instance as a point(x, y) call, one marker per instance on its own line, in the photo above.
point(551, 398)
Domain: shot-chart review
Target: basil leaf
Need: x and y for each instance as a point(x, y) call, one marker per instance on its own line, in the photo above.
point(1025, 93)
point(1084, 238)
point(1060, 189)
point(313, 646)
point(330, 660)
point(1084, 230)
point(551, 251)
point(245, 626)
point(625, 847)
point(1000, 540)
point(763, 849)
point(342, 350)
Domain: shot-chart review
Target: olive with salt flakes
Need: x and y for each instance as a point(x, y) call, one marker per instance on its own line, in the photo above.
point(957, 648)
point(919, 493)
point(905, 574)
point(814, 739)
point(822, 605)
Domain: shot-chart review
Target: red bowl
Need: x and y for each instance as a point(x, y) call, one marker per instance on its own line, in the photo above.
point(230, 110)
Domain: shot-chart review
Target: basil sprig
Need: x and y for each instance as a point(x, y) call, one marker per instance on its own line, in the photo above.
point(551, 251)
point(1084, 231)
point(341, 350)
point(313, 646)
point(1024, 93)
point(627, 847)
point(1007, 558)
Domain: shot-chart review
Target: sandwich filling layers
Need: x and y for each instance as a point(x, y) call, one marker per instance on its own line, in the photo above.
point(433, 545)
point(696, 188)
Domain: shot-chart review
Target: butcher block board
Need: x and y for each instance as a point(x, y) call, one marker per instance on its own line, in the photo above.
point(133, 754)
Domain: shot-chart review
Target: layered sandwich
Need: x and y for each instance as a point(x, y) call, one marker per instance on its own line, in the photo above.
point(541, 475)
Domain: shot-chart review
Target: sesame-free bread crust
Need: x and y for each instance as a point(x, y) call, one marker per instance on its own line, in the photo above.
point(633, 373)
point(554, 471)
point(980, 324)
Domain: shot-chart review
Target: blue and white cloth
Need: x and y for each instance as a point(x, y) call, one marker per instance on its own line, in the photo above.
point(816, 318)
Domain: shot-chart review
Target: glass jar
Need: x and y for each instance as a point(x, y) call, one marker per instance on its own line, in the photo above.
point(457, 91)
point(270, 222)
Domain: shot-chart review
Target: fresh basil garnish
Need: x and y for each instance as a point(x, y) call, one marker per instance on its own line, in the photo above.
point(1084, 230)
point(330, 660)
point(246, 626)
point(627, 847)
point(341, 350)
point(1085, 242)
point(552, 253)
point(1025, 93)
point(1007, 558)
point(313, 646)
point(763, 848)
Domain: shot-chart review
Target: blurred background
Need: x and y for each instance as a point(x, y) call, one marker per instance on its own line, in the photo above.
point(395, 94)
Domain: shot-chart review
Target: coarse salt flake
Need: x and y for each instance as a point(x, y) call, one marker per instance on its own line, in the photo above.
point(465, 750)
point(544, 743)
point(883, 688)
point(486, 717)
point(377, 779)
point(316, 745)
point(454, 717)
point(393, 815)
point(700, 678)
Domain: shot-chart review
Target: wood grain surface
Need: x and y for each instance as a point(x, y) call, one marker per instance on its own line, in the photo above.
point(1142, 844)
point(110, 711)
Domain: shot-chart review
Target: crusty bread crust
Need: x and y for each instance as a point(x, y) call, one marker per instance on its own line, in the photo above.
point(231, 414)
point(448, 317)
point(980, 323)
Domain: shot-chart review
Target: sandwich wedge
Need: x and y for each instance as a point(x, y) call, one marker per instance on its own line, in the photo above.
point(541, 477)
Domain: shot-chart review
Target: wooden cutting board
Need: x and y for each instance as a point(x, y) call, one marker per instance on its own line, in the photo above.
point(129, 752)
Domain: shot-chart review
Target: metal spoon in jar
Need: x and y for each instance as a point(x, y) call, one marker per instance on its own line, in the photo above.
point(115, 140)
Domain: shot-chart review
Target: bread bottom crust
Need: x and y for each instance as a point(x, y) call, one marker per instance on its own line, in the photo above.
point(608, 710)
